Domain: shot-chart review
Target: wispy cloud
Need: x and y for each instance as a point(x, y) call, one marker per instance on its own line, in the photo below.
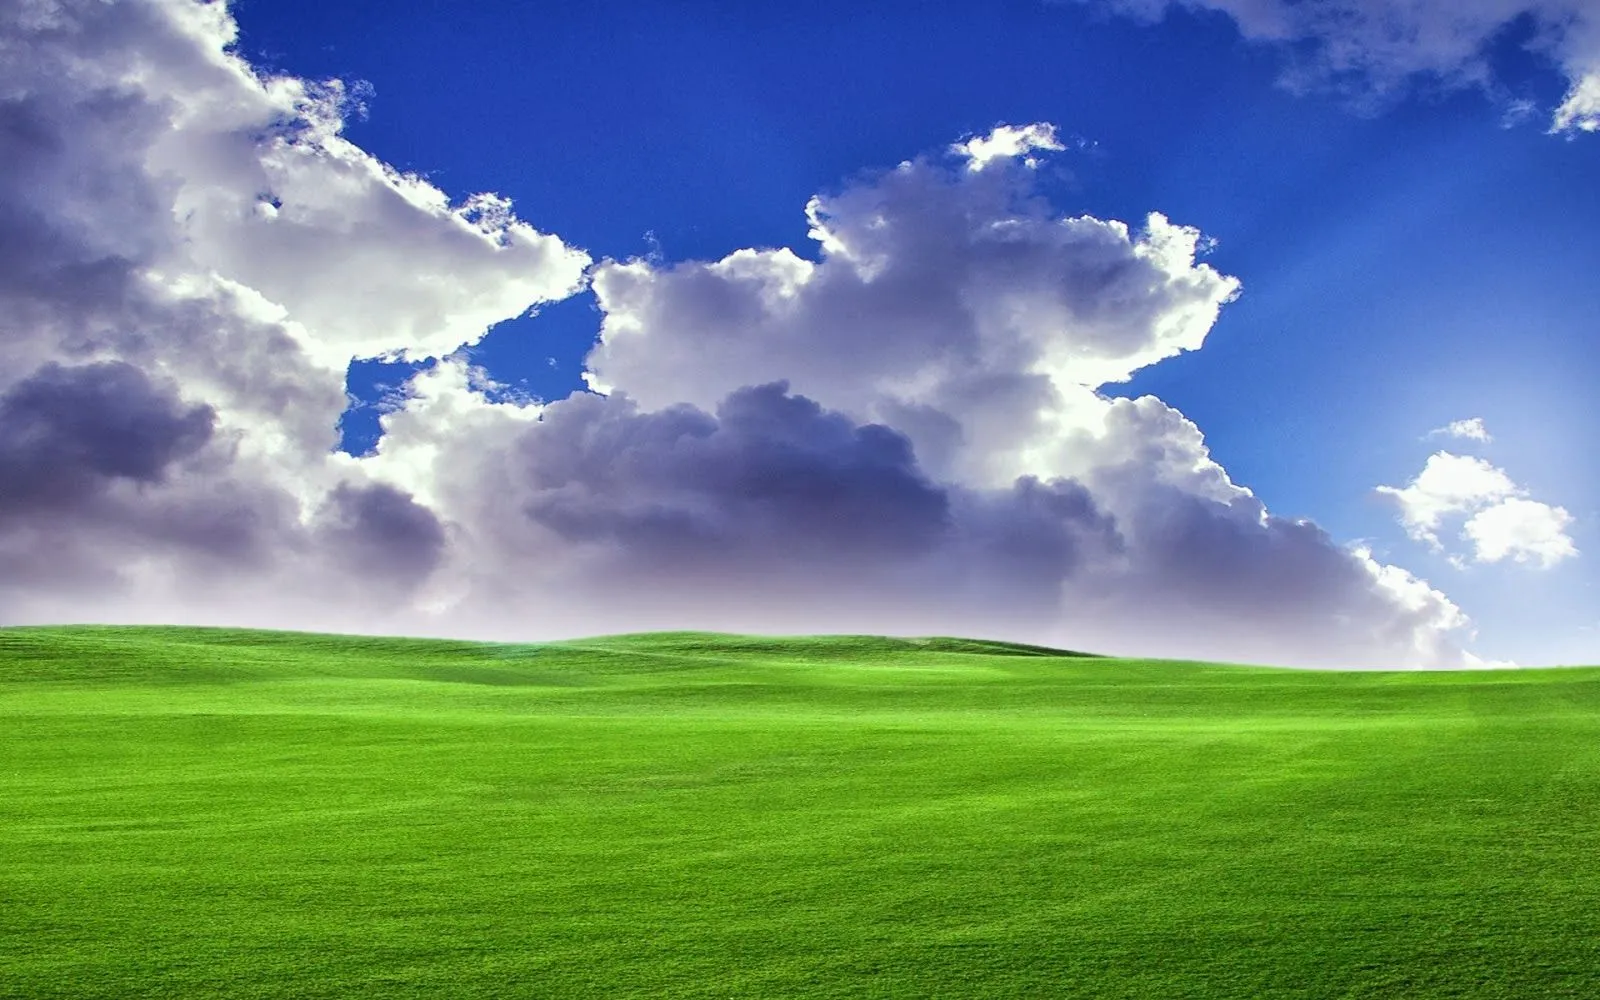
point(1373, 48)
point(1472, 429)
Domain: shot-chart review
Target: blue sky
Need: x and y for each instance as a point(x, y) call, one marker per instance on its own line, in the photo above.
point(1415, 245)
point(1404, 265)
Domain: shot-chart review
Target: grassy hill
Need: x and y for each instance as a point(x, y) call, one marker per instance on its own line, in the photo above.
point(213, 813)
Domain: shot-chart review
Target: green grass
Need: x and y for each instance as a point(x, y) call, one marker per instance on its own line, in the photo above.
point(209, 813)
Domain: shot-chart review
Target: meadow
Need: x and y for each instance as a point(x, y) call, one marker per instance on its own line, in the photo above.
point(216, 813)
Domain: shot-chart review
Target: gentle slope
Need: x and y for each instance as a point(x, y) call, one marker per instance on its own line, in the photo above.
point(217, 813)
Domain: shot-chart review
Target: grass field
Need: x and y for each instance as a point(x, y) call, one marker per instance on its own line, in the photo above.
point(208, 813)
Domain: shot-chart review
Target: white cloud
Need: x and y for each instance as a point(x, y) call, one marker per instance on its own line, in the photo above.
point(177, 224)
point(1448, 484)
point(1472, 429)
point(1580, 110)
point(1375, 47)
point(904, 435)
point(1522, 530)
point(1008, 142)
point(954, 305)
point(1500, 522)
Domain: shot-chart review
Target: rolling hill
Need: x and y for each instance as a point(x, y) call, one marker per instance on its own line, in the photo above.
point(221, 813)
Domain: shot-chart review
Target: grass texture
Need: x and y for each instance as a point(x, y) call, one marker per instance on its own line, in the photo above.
point(215, 813)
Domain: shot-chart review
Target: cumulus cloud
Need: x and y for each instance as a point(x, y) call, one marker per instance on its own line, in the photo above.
point(901, 431)
point(1499, 520)
point(380, 532)
point(1374, 47)
point(769, 511)
point(1523, 530)
point(957, 307)
point(1448, 484)
point(68, 434)
point(953, 304)
point(190, 254)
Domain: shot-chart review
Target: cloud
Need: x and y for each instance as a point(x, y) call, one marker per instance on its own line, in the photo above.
point(380, 532)
point(1448, 484)
point(1500, 522)
point(955, 305)
point(901, 433)
point(1376, 47)
point(1523, 530)
point(1006, 142)
point(770, 512)
point(1472, 429)
point(190, 254)
point(68, 434)
point(1580, 110)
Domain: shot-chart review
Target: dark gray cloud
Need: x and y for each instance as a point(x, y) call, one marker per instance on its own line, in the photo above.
point(103, 467)
point(380, 533)
point(1231, 581)
point(67, 433)
point(770, 477)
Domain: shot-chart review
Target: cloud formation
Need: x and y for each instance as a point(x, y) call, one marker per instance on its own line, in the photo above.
point(1471, 429)
point(68, 434)
point(954, 304)
point(190, 254)
point(901, 431)
point(1375, 47)
point(1007, 142)
point(1498, 519)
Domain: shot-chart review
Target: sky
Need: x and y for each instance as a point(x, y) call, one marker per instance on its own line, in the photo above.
point(1238, 329)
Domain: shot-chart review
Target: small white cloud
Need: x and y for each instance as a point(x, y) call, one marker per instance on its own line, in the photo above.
point(1501, 522)
point(1008, 142)
point(1471, 429)
point(1448, 484)
point(1580, 110)
point(1522, 530)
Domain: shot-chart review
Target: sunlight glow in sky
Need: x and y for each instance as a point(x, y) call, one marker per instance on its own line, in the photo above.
point(1235, 329)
